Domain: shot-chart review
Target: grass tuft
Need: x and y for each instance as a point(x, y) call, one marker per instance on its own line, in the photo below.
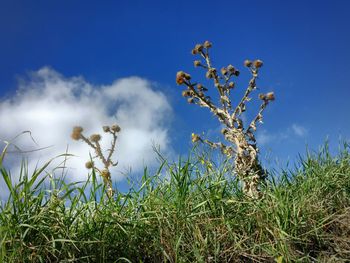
point(188, 211)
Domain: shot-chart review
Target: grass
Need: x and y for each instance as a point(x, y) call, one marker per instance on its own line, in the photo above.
point(189, 211)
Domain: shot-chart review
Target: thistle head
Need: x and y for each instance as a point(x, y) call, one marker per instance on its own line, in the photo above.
point(77, 132)
point(115, 128)
point(95, 137)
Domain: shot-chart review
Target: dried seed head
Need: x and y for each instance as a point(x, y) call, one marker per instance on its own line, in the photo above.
point(258, 63)
point(270, 96)
point(89, 165)
point(248, 63)
point(231, 68)
point(200, 87)
point(195, 137)
point(180, 77)
point(236, 73)
point(190, 100)
point(115, 128)
point(197, 63)
point(95, 137)
point(207, 44)
point(231, 85)
point(76, 134)
point(211, 73)
point(106, 128)
point(197, 49)
point(105, 173)
point(262, 96)
point(223, 71)
point(187, 93)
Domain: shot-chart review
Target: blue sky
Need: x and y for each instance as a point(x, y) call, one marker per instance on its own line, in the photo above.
point(304, 46)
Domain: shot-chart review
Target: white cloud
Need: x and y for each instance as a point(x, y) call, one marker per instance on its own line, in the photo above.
point(49, 105)
point(295, 130)
point(299, 130)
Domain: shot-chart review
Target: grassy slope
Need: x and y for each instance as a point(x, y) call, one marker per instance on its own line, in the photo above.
point(192, 214)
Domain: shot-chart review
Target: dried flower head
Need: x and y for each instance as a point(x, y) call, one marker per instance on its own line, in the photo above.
point(248, 63)
point(197, 63)
point(195, 137)
point(270, 96)
point(258, 63)
point(207, 44)
point(76, 134)
point(89, 165)
point(115, 128)
point(211, 73)
point(181, 77)
point(224, 71)
point(105, 173)
point(95, 137)
point(186, 93)
point(106, 128)
point(262, 96)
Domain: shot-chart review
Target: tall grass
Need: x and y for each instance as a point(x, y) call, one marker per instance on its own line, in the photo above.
point(188, 211)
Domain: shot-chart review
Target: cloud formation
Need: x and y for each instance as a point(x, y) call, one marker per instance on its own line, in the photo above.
point(49, 105)
point(295, 130)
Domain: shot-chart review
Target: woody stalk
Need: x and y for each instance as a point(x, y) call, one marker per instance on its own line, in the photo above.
point(241, 138)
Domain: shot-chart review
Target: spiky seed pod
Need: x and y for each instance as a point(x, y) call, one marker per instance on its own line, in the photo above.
point(248, 63)
point(231, 85)
point(89, 165)
point(195, 137)
point(258, 63)
point(95, 137)
point(224, 71)
point(115, 128)
point(76, 134)
point(262, 96)
point(106, 128)
point(270, 96)
point(207, 44)
point(197, 63)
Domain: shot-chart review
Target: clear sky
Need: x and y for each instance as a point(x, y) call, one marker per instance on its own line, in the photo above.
point(304, 46)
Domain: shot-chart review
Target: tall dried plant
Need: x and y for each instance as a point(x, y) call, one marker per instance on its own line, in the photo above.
point(94, 142)
point(243, 147)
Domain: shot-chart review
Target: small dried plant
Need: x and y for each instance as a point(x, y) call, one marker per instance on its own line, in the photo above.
point(94, 142)
point(243, 147)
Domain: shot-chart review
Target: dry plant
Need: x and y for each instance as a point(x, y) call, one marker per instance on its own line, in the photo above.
point(241, 138)
point(94, 142)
